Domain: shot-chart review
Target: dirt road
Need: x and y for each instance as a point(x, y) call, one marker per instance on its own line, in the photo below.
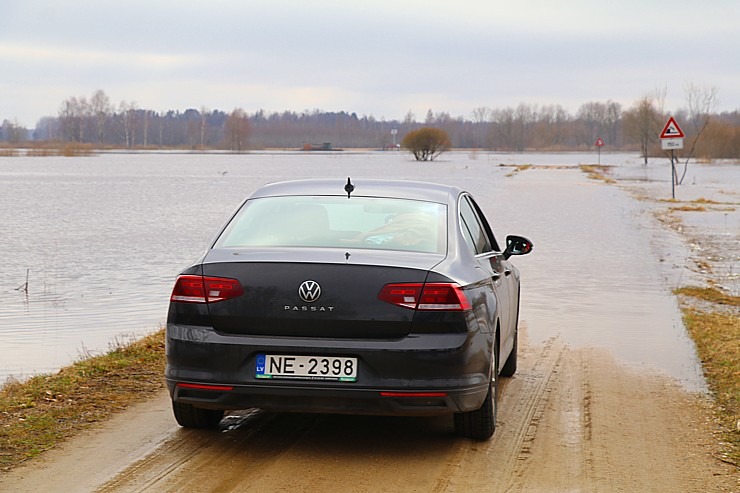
point(571, 420)
point(601, 401)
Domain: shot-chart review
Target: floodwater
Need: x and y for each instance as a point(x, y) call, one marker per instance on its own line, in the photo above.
point(100, 240)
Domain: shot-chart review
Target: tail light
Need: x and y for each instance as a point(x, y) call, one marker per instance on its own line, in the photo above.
point(201, 289)
point(429, 296)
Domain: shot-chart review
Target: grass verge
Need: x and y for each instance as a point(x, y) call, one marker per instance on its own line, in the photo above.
point(716, 333)
point(38, 413)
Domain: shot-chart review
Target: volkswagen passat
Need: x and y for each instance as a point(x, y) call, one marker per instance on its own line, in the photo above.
point(373, 297)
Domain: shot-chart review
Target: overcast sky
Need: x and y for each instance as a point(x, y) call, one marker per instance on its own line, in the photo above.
point(376, 57)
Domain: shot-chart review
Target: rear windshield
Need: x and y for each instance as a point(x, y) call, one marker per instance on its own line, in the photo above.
point(338, 222)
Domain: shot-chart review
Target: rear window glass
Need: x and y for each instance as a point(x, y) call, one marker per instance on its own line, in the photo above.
point(338, 222)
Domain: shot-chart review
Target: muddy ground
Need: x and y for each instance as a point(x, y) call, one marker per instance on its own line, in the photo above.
point(585, 412)
point(571, 420)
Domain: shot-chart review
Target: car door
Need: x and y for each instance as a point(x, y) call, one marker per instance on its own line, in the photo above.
point(508, 285)
point(490, 259)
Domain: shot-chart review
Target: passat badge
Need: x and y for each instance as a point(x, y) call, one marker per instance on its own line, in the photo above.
point(309, 291)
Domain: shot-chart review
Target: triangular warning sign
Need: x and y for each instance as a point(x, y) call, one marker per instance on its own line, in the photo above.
point(672, 130)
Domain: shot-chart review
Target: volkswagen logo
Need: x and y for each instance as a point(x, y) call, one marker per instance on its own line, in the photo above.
point(309, 291)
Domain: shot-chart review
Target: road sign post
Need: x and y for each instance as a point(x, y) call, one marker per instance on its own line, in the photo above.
point(671, 138)
point(599, 144)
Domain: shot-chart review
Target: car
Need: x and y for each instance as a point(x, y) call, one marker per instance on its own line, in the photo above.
point(374, 297)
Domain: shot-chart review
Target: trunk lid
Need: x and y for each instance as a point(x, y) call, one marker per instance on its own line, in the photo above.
point(316, 293)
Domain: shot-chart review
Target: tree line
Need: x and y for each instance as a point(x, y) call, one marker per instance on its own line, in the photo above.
point(95, 121)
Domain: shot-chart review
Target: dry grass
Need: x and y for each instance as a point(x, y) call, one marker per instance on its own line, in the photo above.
point(717, 338)
point(49, 149)
point(712, 295)
point(518, 168)
point(702, 200)
point(703, 265)
point(689, 208)
point(38, 413)
point(597, 172)
point(69, 149)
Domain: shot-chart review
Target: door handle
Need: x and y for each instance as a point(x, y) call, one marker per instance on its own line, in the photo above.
point(507, 272)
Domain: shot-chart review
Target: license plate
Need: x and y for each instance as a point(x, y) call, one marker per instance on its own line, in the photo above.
point(306, 367)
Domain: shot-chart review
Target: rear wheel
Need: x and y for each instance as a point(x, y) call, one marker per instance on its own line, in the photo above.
point(481, 423)
point(510, 366)
point(189, 416)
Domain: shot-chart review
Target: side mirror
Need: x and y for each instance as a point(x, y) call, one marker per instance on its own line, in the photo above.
point(517, 245)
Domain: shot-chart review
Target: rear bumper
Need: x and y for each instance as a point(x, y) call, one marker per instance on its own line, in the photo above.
point(338, 401)
point(436, 373)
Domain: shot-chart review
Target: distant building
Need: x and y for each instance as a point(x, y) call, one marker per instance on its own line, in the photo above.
point(326, 146)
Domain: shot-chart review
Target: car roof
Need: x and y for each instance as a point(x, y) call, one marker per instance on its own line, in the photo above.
point(363, 187)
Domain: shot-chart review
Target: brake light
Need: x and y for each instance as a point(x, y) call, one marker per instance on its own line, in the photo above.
point(429, 296)
point(201, 289)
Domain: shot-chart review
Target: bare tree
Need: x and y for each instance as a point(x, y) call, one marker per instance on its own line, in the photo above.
point(72, 115)
point(701, 102)
point(236, 130)
point(481, 114)
point(128, 118)
point(592, 115)
point(551, 127)
point(101, 110)
point(642, 123)
point(612, 121)
point(503, 130)
point(525, 116)
point(203, 125)
point(409, 119)
point(147, 116)
point(482, 121)
point(599, 120)
point(659, 98)
point(12, 132)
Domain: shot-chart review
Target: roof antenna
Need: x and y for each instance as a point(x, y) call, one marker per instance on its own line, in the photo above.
point(349, 187)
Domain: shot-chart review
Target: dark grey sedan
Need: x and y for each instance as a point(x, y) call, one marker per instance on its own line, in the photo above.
point(372, 297)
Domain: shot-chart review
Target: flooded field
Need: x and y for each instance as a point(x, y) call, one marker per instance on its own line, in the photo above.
point(100, 240)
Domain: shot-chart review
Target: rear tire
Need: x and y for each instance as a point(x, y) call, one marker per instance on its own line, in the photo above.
point(510, 366)
point(481, 423)
point(189, 416)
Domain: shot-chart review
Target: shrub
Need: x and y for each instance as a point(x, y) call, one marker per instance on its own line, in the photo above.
point(426, 143)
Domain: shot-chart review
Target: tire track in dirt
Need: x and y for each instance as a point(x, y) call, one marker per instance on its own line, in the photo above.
point(574, 420)
point(531, 406)
point(187, 459)
point(495, 464)
point(607, 427)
